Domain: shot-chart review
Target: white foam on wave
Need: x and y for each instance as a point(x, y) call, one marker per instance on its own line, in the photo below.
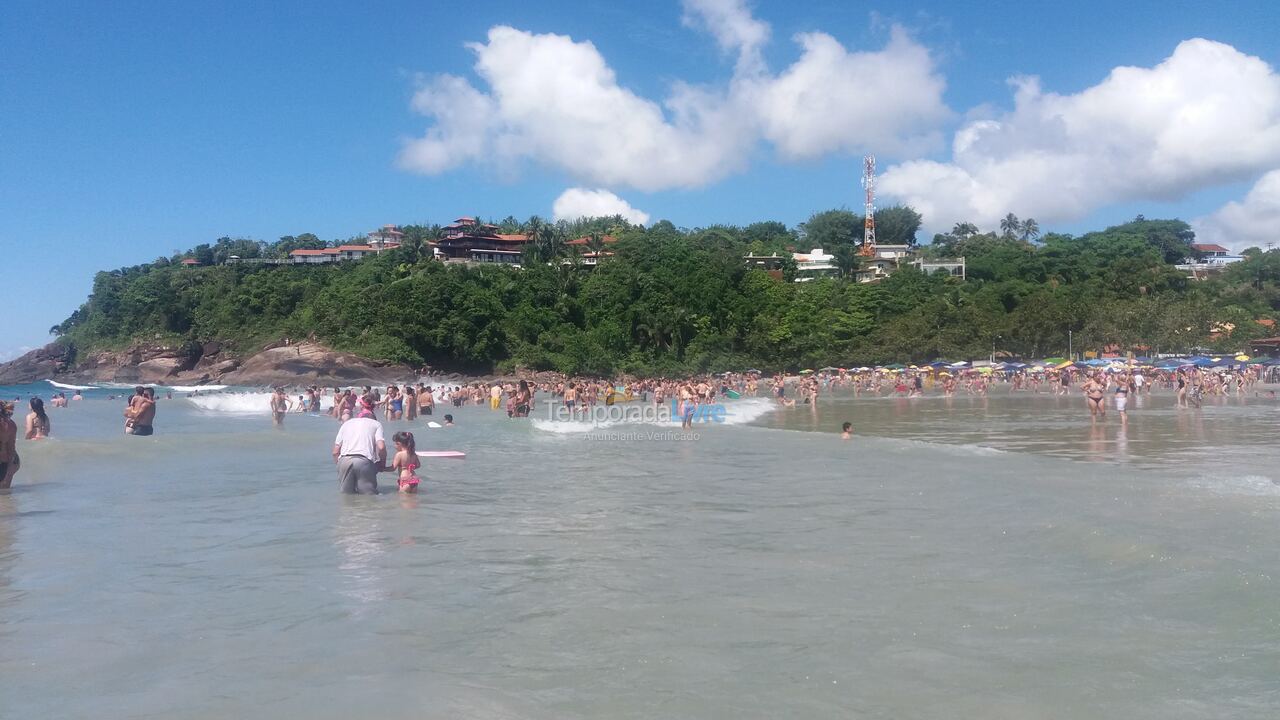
point(64, 386)
point(195, 388)
point(741, 412)
point(238, 403)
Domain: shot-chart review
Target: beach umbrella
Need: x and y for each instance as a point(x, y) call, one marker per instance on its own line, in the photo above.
point(829, 369)
point(806, 372)
point(894, 366)
point(1054, 361)
point(753, 371)
point(1242, 358)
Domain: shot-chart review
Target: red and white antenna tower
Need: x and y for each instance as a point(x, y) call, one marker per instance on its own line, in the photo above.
point(869, 226)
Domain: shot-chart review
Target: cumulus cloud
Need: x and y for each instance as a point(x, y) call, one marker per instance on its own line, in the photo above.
point(1207, 114)
point(1251, 222)
point(576, 203)
point(733, 26)
point(835, 100)
point(555, 101)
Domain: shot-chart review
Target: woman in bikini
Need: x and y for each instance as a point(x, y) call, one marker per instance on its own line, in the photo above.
point(1094, 393)
point(38, 426)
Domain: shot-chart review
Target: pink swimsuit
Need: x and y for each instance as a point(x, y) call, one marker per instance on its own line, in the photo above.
point(411, 479)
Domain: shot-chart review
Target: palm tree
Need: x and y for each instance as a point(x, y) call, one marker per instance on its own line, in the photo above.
point(595, 241)
point(1010, 226)
point(1030, 230)
point(414, 243)
point(964, 230)
point(549, 241)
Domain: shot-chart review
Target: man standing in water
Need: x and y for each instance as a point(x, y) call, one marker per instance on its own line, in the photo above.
point(360, 451)
point(279, 406)
point(141, 412)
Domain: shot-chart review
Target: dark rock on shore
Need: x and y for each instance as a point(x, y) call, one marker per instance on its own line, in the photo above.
point(40, 364)
point(301, 364)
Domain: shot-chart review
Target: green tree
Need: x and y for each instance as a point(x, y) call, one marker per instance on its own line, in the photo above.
point(831, 228)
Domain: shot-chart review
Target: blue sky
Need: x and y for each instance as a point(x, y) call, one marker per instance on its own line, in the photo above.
point(130, 131)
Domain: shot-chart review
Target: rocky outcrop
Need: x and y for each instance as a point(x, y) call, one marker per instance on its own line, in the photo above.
point(304, 363)
point(311, 363)
point(41, 364)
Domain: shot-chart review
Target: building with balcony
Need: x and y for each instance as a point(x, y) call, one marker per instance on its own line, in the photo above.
point(814, 264)
point(385, 238)
point(1213, 259)
point(468, 240)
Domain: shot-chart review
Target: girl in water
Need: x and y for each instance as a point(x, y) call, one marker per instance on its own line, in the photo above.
point(406, 461)
point(37, 421)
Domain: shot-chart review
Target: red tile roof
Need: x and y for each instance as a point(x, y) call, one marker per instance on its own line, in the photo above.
point(190, 261)
point(304, 253)
point(1208, 247)
point(512, 238)
point(357, 248)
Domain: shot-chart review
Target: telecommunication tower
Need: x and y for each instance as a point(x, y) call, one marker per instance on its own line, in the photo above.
point(868, 248)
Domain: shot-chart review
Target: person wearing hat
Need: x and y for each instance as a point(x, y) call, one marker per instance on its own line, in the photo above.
point(9, 461)
point(360, 451)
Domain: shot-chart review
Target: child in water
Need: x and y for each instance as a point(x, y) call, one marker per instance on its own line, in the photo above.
point(406, 461)
point(846, 431)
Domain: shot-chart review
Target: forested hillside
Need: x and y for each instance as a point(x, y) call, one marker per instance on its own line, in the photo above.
point(673, 300)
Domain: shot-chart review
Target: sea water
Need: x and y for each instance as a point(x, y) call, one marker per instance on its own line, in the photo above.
point(999, 557)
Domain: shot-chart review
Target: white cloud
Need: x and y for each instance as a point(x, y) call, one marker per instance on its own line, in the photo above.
point(555, 101)
point(1251, 222)
point(835, 100)
point(576, 203)
point(733, 26)
point(1207, 114)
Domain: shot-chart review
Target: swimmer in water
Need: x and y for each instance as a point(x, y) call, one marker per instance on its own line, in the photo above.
point(448, 421)
point(406, 461)
point(37, 421)
point(846, 431)
point(279, 406)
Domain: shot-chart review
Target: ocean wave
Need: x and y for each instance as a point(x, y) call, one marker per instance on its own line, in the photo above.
point(64, 386)
point(195, 388)
point(237, 403)
point(741, 412)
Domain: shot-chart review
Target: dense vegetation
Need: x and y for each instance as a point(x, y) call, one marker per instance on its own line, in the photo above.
point(674, 300)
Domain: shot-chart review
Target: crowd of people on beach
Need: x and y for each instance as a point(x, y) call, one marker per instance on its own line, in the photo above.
point(363, 446)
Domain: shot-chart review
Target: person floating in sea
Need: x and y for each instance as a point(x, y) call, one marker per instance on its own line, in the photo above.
point(406, 461)
point(38, 427)
point(9, 460)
